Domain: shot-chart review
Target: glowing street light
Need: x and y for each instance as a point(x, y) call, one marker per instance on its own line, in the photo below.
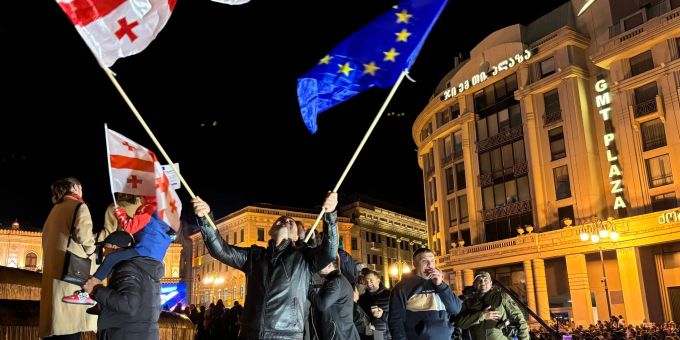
point(597, 231)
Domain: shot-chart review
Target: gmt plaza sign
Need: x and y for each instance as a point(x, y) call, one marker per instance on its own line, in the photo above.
point(603, 101)
point(501, 67)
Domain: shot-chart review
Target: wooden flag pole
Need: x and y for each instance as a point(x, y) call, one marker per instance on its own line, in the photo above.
point(403, 74)
point(108, 160)
point(153, 137)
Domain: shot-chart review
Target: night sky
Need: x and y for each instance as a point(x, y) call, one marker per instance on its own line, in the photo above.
point(217, 87)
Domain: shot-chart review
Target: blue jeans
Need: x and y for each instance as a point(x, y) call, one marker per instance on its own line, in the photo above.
point(112, 260)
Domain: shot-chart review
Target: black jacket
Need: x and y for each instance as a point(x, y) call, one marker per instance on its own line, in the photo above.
point(380, 298)
point(334, 304)
point(131, 303)
point(277, 280)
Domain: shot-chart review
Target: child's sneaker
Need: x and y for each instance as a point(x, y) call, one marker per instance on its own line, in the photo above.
point(79, 298)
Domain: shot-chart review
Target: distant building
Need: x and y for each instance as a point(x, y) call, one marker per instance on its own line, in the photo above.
point(21, 247)
point(547, 160)
point(383, 239)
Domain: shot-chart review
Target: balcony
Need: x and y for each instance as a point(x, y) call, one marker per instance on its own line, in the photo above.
point(645, 108)
point(485, 179)
point(520, 169)
point(636, 231)
point(499, 139)
point(552, 118)
point(507, 210)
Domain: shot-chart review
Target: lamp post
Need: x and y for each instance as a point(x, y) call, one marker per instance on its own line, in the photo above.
point(213, 281)
point(597, 232)
point(398, 269)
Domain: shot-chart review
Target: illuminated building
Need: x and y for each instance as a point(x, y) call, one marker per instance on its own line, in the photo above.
point(213, 280)
point(21, 247)
point(383, 239)
point(545, 133)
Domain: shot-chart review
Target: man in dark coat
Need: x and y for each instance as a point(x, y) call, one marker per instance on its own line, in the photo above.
point(278, 276)
point(131, 303)
point(376, 303)
point(334, 305)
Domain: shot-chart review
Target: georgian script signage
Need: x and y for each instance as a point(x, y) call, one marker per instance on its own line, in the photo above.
point(603, 101)
point(669, 217)
point(502, 66)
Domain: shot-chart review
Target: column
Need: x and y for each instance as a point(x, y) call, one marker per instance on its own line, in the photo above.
point(579, 290)
point(529, 278)
point(468, 277)
point(632, 285)
point(541, 289)
point(458, 275)
point(532, 141)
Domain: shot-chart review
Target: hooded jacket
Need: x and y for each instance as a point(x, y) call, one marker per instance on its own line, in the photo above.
point(277, 279)
point(131, 303)
point(334, 305)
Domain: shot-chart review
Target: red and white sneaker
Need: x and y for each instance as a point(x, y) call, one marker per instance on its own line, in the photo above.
point(79, 298)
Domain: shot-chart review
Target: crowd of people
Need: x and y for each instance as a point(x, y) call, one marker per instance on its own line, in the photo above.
point(295, 289)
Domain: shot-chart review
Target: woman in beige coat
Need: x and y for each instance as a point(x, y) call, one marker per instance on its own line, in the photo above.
point(60, 320)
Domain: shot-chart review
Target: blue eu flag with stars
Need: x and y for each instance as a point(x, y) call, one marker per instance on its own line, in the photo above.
point(373, 56)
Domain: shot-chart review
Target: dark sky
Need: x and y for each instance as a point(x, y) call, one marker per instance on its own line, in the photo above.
point(233, 65)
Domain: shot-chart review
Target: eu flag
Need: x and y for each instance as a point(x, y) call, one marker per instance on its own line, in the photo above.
point(373, 56)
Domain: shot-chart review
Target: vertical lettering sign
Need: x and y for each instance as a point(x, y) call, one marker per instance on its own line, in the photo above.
point(603, 101)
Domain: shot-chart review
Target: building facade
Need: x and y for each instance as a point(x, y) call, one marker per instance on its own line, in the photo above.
point(383, 239)
point(21, 247)
point(213, 280)
point(547, 160)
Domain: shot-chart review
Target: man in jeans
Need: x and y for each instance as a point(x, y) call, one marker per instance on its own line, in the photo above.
point(278, 276)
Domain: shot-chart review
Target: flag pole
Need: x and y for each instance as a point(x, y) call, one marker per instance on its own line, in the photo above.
point(108, 161)
point(403, 74)
point(153, 137)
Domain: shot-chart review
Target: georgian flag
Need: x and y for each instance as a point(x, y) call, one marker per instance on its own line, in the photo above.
point(117, 28)
point(136, 170)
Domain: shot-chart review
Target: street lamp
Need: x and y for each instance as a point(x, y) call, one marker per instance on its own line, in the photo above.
point(597, 232)
point(399, 268)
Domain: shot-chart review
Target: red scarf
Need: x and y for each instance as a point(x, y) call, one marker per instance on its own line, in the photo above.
point(75, 197)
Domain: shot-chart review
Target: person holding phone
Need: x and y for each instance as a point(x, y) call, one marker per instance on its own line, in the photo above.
point(375, 302)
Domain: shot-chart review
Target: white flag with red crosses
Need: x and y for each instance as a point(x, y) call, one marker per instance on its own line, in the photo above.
point(136, 170)
point(117, 28)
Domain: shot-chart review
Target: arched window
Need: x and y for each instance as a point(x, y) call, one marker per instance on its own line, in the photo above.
point(31, 261)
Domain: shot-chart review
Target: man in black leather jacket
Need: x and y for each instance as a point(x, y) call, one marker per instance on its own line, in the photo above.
point(277, 276)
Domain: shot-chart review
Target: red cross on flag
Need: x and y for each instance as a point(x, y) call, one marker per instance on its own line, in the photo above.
point(117, 28)
point(136, 170)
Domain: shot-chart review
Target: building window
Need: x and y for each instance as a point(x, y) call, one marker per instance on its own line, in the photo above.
point(450, 187)
point(460, 176)
point(645, 99)
point(633, 21)
point(458, 144)
point(562, 189)
point(426, 132)
point(463, 208)
point(433, 190)
point(659, 171)
point(453, 214)
point(664, 201)
point(243, 291)
point(641, 63)
point(435, 220)
point(226, 238)
point(454, 237)
point(355, 244)
point(547, 67)
point(455, 111)
point(551, 99)
point(563, 213)
point(448, 148)
point(260, 234)
point(653, 134)
point(465, 235)
point(243, 235)
point(443, 117)
point(31, 260)
point(557, 148)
